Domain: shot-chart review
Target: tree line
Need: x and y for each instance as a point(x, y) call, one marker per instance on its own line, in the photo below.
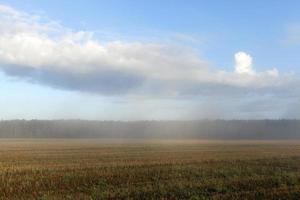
point(198, 129)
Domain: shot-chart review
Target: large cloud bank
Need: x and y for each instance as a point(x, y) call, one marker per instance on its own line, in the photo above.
point(44, 52)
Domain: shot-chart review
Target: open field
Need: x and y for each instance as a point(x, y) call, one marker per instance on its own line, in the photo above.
point(148, 169)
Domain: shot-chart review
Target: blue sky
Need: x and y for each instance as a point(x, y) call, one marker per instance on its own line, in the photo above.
point(160, 46)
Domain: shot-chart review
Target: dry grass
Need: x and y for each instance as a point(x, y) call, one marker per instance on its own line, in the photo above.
point(152, 169)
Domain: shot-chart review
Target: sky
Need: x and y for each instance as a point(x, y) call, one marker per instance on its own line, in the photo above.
point(149, 60)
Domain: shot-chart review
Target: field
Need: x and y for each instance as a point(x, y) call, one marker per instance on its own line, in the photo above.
point(148, 169)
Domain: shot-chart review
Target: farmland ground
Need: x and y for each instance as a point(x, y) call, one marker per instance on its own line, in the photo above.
point(148, 169)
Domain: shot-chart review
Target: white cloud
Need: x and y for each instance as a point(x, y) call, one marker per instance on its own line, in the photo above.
point(273, 72)
point(243, 63)
point(48, 53)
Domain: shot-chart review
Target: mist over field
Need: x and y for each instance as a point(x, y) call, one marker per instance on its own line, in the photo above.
point(203, 129)
point(144, 100)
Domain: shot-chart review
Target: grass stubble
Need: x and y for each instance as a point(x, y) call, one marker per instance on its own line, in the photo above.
point(148, 169)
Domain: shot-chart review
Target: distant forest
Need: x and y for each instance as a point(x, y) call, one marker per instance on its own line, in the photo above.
point(204, 129)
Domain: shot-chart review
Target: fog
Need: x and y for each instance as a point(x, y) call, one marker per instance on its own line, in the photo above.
point(202, 129)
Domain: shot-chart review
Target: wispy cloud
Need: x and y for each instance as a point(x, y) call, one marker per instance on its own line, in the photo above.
point(292, 35)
